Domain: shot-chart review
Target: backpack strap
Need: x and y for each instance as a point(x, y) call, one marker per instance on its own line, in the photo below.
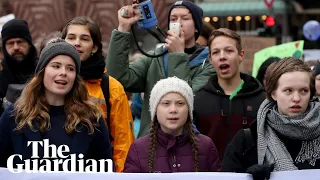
point(248, 140)
point(106, 94)
point(1, 108)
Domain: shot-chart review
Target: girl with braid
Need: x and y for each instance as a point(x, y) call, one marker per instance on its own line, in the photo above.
point(172, 145)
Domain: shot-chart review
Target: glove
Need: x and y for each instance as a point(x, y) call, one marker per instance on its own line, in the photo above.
point(260, 172)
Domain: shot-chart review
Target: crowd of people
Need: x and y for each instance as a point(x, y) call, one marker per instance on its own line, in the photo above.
point(192, 109)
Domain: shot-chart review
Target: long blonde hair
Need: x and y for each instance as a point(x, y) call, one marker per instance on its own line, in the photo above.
point(32, 107)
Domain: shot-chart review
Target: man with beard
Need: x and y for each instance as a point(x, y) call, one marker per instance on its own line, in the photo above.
point(20, 55)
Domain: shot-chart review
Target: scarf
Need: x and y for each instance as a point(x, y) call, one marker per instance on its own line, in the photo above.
point(93, 67)
point(304, 127)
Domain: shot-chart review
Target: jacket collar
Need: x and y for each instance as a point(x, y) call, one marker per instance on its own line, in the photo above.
point(168, 141)
point(251, 86)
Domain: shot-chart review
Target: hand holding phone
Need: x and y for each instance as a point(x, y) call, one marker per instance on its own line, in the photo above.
point(175, 27)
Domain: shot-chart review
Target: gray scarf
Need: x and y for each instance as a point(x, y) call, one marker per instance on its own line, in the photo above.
point(304, 127)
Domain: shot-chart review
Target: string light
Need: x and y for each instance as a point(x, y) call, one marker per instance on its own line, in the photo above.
point(215, 19)
point(207, 19)
point(264, 17)
point(238, 18)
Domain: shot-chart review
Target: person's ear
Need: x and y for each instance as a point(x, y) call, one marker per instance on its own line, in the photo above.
point(95, 49)
point(273, 96)
point(241, 56)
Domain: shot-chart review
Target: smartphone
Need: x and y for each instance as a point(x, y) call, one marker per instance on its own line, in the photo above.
point(175, 27)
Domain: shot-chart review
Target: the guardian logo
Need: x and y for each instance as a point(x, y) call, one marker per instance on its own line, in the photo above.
point(56, 160)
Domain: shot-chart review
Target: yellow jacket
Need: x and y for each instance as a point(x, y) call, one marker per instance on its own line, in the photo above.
point(121, 121)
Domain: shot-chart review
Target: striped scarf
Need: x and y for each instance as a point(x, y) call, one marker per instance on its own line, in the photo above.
point(304, 127)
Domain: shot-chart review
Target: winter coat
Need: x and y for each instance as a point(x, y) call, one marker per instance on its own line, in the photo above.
point(142, 74)
point(220, 118)
point(121, 121)
point(242, 153)
point(172, 154)
point(15, 72)
point(94, 146)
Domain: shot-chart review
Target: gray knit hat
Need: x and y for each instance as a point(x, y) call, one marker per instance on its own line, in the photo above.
point(55, 48)
point(168, 85)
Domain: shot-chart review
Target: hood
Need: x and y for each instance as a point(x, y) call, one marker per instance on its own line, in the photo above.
point(197, 58)
point(200, 58)
point(136, 105)
point(251, 86)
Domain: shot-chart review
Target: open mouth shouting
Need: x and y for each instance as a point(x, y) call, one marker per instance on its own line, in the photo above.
point(224, 68)
point(61, 82)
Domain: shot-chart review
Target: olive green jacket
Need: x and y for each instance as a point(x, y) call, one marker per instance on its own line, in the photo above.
point(142, 74)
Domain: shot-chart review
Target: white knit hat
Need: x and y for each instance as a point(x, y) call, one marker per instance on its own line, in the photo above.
point(168, 85)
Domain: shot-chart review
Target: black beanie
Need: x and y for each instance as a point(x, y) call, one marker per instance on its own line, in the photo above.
point(55, 48)
point(196, 11)
point(16, 28)
point(316, 70)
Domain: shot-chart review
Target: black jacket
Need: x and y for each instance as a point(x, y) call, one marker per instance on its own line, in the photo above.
point(242, 153)
point(14, 72)
point(220, 118)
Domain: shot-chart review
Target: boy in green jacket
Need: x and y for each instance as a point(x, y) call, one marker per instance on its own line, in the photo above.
point(185, 59)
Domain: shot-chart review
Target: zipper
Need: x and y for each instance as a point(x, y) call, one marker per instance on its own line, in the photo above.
point(174, 162)
point(229, 119)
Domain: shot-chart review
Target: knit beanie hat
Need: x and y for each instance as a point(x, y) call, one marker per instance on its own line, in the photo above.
point(55, 48)
point(16, 28)
point(168, 85)
point(195, 10)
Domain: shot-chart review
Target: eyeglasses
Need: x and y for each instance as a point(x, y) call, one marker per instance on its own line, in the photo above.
point(10, 44)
